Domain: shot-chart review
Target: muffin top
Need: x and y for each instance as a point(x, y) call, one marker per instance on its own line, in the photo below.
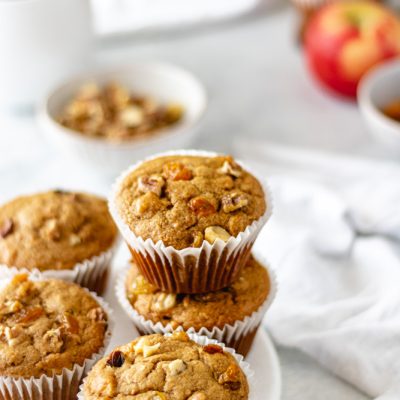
point(224, 306)
point(158, 367)
point(183, 200)
point(54, 230)
point(46, 326)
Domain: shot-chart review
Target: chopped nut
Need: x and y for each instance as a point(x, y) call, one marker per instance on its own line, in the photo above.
point(74, 240)
point(89, 91)
point(233, 202)
point(131, 116)
point(160, 396)
point(182, 336)
point(117, 95)
point(201, 207)
point(142, 347)
point(228, 169)
point(6, 228)
point(175, 367)
point(213, 349)
point(164, 302)
point(30, 315)
point(176, 171)
point(97, 314)
point(198, 396)
point(150, 350)
point(51, 229)
point(153, 183)
point(149, 202)
point(53, 341)
point(11, 334)
point(71, 324)
point(10, 307)
point(116, 359)
point(212, 233)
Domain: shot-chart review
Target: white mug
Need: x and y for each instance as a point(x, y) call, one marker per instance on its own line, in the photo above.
point(41, 42)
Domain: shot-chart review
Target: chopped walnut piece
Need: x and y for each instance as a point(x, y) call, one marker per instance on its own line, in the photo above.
point(53, 340)
point(29, 315)
point(201, 206)
point(97, 314)
point(234, 201)
point(175, 367)
point(228, 169)
point(176, 171)
point(213, 349)
point(6, 227)
point(212, 233)
point(11, 334)
point(10, 307)
point(164, 301)
point(153, 183)
point(51, 229)
point(116, 359)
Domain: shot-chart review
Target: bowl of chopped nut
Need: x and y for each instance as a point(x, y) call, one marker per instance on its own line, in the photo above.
point(109, 119)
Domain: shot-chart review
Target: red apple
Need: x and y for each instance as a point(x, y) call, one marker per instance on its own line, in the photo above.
point(346, 38)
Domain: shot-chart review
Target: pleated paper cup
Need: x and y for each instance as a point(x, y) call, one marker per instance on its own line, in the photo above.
point(91, 273)
point(204, 341)
point(63, 386)
point(239, 336)
point(194, 269)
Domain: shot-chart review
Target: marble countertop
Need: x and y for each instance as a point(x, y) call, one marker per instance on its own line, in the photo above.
point(258, 87)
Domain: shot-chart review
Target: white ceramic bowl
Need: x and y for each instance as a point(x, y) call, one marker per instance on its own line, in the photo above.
point(377, 89)
point(164, 82)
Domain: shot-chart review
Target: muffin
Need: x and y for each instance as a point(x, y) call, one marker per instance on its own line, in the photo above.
point(50, 331)
point(231, 315)
point(190, 219)
point(62, 234)
point(168, 368)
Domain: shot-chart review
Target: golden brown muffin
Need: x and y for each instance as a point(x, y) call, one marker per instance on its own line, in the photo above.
point(183, 200)
point(157, 367)
point(208, 310)
point(54, 230)
point(46, 326)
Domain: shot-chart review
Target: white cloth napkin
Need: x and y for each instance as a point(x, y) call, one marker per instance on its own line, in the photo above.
point(335, 241)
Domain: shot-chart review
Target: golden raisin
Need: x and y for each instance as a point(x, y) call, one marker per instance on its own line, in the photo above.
point(30, 315)
point(201, 207)
point(71, 323)
point(176, 171)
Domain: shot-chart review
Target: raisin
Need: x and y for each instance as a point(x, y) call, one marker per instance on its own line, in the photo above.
point(213, 349)
point(6, 228)
point(116, 359)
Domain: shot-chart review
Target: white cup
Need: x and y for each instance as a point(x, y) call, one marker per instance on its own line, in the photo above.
point(41, 42)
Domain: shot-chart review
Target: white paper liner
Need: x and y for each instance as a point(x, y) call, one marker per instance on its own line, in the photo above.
point(63, 386)
point(204, 341)
point(230, 334)
point(190, 270)
point(89, 273)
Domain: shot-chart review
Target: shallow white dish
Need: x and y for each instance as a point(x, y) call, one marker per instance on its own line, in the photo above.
point(377, 89)
point(163, 82)
point(262, 357)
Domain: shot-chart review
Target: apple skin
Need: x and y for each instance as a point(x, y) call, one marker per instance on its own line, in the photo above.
point(344, 39)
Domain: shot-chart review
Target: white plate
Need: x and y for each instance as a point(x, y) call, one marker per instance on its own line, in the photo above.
point(262, 357)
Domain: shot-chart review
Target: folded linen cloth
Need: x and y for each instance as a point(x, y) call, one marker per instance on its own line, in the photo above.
point(335, 241)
